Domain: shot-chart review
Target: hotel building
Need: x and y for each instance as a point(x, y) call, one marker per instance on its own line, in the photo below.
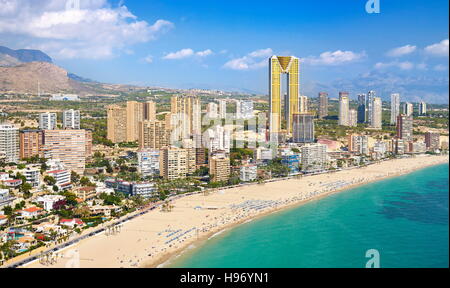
point(278, 66)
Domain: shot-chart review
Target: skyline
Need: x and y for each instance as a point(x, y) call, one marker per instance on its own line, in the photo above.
point(154, 44)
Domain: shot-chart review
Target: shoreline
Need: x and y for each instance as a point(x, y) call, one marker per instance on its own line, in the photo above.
point(168, 259)
point(143, 243)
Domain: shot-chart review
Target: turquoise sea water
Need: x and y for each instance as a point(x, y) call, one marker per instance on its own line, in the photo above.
point(404, 218)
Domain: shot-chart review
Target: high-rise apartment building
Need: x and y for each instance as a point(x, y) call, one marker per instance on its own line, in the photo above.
point(173, 163)
point(9, 143)
point(422, 108)
point(222, 108)
point(212, 110)
point(31, 143)
point(362, 108)
point(117, 124)
point(303, 128)
point(278, 66)
point(405, 127)
point(246, 107)
point(71, 119)
point(149, 110)
point(344, 106)
point(68, 147)
point(153, 134)
point(47, 121)
point(303, 104)
point(370, 100)
point(219, 168)
point(314, 157)
point(432, 140)
point(377, 113)
point(323, 105)
point(185, 116)
point(408, 109)
point(217, 139)
point(358, 144)
point(395, 107)
point(135, 114)
point(352, 118)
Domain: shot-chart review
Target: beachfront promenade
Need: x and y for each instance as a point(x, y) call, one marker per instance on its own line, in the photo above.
point(150, 237)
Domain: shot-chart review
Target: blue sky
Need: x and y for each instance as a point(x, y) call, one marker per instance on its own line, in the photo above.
point(225, 44)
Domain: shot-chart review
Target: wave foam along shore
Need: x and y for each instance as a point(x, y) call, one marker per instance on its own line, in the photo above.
point(154, 238)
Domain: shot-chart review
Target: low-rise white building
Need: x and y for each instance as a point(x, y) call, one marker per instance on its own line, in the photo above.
point(49, 200)
point(248, 173)
point(62, 178)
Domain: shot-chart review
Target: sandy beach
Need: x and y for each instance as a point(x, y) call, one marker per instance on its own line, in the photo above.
point(156, 237)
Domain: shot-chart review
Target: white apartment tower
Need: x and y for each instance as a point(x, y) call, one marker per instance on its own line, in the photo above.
point(47, 121)
point(71, 119)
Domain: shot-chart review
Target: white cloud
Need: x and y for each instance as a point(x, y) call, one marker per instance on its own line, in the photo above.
point(186, 53)
point(96, 30)
point(204, 53)
point(440, 67)
point(438, 49)
point(402, 51)
point(406, 65)
point(183, 53)
point(253, 60)
point(334, 58)
point(149, 59)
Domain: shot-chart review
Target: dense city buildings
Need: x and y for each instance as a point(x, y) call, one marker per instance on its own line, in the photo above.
point(405, 127)
point(71, 119)
point(31, 143)
point(47, 121)
point(376, 113)
point(432, 140)
point(344, 106)
point(395, 107)
point(323, 105)
point(153, 134)
point(278, 66)
point(9, 143)
point(303, 128)
point(68, 147)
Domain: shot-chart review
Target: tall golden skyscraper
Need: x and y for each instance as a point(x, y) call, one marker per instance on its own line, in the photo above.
point(279, 65)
